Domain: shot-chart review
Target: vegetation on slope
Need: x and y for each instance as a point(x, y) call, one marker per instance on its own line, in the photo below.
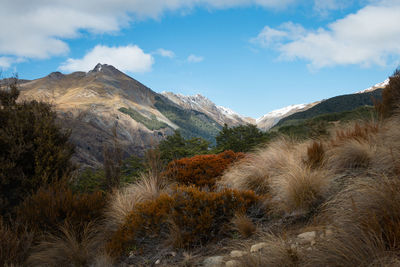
point(151, 124)
point(336, 105)
point(191, 123)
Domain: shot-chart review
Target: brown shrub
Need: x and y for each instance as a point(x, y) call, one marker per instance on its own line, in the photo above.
point(51, 206)
point(201, 170)
point(15, 243)
point(197, 217)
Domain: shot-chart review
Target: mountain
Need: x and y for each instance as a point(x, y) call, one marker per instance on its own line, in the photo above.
point(202, 104)
point(270, 119)
point(334, 104)
point(92, 103)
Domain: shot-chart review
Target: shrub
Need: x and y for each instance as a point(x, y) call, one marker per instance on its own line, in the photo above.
point(242, 138)
point(202, 170)
point(51, 206)
point(197, 217)
point(34, 151)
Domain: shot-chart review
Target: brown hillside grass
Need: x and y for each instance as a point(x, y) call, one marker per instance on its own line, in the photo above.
point(367, 219)
point(68, 248)
point(254, 172)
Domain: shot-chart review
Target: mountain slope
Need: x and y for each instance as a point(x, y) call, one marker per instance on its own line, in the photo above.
point(336, 104)
point(92, 103)
point(202, 104)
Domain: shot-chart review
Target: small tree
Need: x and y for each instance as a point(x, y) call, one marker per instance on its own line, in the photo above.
point(241, 138)
point(176, 147)
point(33, 149)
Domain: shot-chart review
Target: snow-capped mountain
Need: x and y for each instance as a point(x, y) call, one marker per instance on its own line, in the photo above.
point(202, 104)
point(376, 86)
point(270, 119)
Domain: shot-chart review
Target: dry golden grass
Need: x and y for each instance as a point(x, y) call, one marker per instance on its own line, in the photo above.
point(243, 224)
point(123, 201)
point(367, 218)
point(69, 248)
point(277, 253)
point(300, 189)
point(351, 155)
point(254, 172)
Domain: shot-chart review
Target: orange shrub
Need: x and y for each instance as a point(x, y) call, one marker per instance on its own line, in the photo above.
point(189, 217)
point(51, 206)
point(201, 170)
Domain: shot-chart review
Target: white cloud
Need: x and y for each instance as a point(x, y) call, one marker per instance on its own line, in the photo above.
point(125, 58)
point(39, 29)
point(324, 6)
point(367, 37)
point(194, 59)
point(165, 53)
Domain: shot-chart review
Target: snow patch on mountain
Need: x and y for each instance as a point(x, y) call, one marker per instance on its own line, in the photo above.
point(374, 87)
point(202, 104)
point(278, 113)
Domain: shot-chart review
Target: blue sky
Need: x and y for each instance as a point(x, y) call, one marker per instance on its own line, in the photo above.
point(252, 56)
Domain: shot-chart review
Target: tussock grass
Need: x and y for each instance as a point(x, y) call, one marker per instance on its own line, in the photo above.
point(367, 219)
point(351, 155)
point(69, 248)
point(243, 224)
point(123, 201)
point(254, 172)
point(300, 189)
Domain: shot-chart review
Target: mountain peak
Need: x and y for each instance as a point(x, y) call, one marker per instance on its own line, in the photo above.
point(103, 67)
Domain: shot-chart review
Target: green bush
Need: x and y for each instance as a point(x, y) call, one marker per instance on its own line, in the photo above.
point(33, 149)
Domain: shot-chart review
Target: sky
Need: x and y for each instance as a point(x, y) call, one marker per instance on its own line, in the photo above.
point(252, 56)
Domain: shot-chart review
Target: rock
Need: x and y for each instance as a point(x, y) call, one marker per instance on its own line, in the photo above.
point(237, 253)
point(157, 262)
point(232, 263)
point(214, 261)
point(307, 237)
point(258, 247)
